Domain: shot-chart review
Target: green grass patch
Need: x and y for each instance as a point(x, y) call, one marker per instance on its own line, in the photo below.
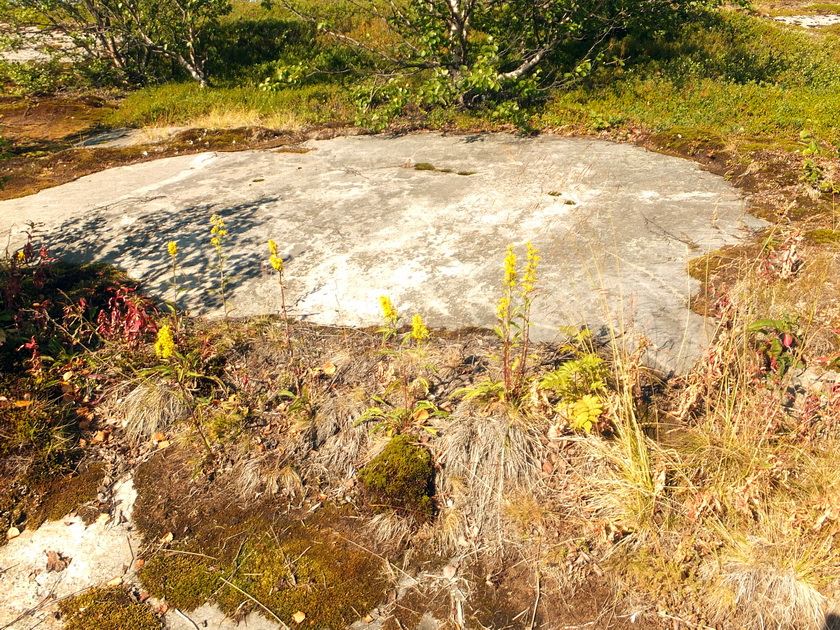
point(741, 78)
point(823, 237)
point(187, 103)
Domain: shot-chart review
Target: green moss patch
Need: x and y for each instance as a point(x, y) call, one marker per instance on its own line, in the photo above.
point(431, 168)
point(287, 569)
point(823, 237)
point(401, 478)
point(107, 609)
point(70, 494)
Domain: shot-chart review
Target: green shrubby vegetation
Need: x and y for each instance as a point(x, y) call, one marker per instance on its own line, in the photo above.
point(739, 75)
point(724, 74)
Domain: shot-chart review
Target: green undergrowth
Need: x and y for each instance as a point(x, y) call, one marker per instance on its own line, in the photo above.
point(287, 569)
point(401, 478)
point(185, 103)
point(735, 76)
point(740, 77)
point(106, 609)
point(823, 237)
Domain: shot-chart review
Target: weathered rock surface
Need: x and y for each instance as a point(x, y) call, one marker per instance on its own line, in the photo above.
point(422, 218)
point(809, 21)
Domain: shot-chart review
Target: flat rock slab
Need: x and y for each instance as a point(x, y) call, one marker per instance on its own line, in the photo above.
point(422, 218)
point(810, 21)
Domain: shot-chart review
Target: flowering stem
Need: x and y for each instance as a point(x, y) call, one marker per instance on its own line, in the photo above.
point(283, 310)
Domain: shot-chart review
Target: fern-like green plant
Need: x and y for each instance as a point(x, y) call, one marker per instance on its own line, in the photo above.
point(578, 377)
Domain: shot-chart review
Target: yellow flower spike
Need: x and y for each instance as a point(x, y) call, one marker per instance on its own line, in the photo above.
point(529, 276)
point(502, 308)
point(218, 228)
point(419, 332)
point(172, 247)
point(389, 313)
point(276, 262)
point(272, 247)
point(510, 267)
point(21, 256)
point(165, 343)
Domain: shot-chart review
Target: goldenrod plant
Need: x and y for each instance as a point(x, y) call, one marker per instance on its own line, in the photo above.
point(218, 234)
point(419, 332)
point(513, 312)
point(391, 318)
point(165, 343)
point(276, 262)
point(173, 251)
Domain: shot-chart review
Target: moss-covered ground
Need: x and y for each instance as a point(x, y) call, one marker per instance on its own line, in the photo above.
point(107, 609)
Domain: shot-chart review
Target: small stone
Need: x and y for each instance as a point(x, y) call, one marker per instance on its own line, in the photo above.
point(168, 538)
point(13, 532)
point(164, 444)
point(115, 582)
point(139, 564)
point(299, 616)
point(449, 571)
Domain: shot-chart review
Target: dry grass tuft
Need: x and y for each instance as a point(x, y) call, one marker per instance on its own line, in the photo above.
point(484, 459)
point(151, 405)
point(767, 584)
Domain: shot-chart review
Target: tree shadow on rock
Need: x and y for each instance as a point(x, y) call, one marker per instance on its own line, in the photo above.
point(133, 235)
point(832, 622)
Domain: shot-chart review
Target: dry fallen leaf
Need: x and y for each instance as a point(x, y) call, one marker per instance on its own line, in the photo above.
point(56, 561)
point(158, 437)
point(168, 538)
point(299, 616)
point(115, 582)
point(23, 403)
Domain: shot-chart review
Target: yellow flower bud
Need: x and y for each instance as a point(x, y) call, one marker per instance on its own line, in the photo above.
point(510, 267)
point(165, 343)
point(419, 332)
point(172, 246)
point(389, 313)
